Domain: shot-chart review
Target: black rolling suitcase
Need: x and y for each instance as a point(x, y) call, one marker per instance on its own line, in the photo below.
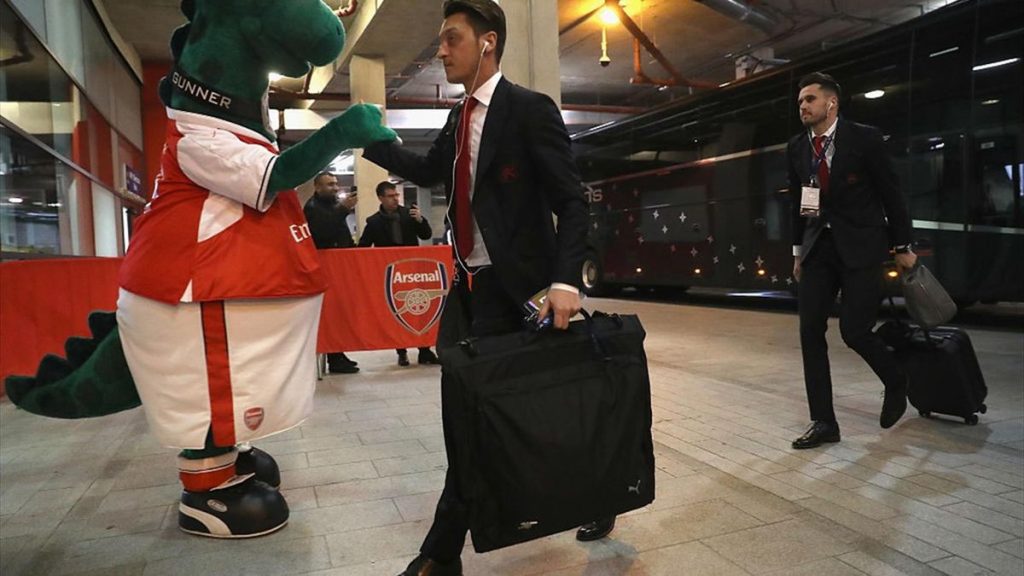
point(547, 431)
point(945, 377)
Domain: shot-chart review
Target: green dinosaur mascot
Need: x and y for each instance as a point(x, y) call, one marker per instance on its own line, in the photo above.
point(218, 310)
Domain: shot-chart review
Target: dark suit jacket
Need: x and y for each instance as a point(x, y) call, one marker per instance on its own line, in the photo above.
point(525, 172)
point(327, 223)
point(864, 206)
point(378, 231)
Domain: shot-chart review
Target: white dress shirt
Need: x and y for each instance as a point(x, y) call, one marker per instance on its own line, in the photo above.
point(829, 153)
point(478, 256)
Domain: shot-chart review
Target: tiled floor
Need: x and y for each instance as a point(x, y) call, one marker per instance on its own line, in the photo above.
point(363, 474)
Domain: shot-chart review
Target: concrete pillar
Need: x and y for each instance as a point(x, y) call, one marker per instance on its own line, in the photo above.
point(531, 50)
point(366, 83)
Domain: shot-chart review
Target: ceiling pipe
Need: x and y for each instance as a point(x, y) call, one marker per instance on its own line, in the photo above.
point(740, 10)
point(580, 20)
point(640, 77)
point(641, 39)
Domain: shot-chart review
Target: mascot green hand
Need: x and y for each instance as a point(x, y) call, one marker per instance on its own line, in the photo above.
point(220, 291)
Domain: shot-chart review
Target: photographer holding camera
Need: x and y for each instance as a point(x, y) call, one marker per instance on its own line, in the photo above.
point(327, 213)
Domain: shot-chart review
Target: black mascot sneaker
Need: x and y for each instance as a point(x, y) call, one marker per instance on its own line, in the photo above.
point(243, 507)
point(252, 460)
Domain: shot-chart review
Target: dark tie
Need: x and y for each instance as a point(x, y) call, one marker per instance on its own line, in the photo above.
point(819, 141)
point(463, 211)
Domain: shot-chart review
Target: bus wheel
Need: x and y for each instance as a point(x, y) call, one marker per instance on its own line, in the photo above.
point(591, 276)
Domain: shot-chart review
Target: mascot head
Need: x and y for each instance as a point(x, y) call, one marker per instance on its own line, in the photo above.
point(223, 55)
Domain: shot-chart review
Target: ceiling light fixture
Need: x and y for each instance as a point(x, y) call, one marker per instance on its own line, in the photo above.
point(946, 51)
point(874, 94)
point(609, 16)
point(995, 64)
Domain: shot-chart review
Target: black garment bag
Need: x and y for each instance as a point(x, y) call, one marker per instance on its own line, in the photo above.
point(549, 430)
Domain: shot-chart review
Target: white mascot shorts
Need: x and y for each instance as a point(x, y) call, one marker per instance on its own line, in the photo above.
point(244, 368)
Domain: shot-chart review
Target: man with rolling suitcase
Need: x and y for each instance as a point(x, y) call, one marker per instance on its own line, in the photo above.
point(847, 213)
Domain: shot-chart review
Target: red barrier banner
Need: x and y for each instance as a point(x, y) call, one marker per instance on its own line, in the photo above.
point(377, 298)
point(381, 298)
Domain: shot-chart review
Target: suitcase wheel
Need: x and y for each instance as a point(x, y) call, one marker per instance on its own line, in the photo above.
point(982, 408)
point(972, 419)
point(924, 413)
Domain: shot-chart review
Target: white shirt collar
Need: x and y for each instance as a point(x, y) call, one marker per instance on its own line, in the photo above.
point(831, 129)
point(485, 91)
point(215, 123)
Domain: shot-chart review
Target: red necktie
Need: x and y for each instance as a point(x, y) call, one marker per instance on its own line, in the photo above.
point(823, 164)
point(463, 210)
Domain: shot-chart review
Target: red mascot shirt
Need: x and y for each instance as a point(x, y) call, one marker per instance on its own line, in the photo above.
point(212, 230)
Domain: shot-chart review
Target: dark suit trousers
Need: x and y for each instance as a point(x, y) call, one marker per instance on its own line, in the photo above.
point(484, 311)
point(823, 275)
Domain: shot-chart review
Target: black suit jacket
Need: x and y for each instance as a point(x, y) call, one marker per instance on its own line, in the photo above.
point(525, 172)
point(327, 223)
point(377, 231)
point(863, 205)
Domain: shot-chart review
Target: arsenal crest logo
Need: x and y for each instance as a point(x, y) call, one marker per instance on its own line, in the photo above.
point(253, 418)
point(416, 290)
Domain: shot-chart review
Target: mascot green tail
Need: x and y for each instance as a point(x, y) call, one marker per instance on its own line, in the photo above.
point(93, 379)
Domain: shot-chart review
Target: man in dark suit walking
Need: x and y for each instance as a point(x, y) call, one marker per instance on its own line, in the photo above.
point(396, 225)
point(847, 213)
point(506, 164)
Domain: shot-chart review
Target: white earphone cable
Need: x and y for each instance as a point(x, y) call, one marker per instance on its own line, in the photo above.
point(464, 118)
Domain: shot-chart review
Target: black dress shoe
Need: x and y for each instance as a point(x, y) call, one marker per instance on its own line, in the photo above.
point(819, 433)
point(423, 566)
point(403, 359)
point(893, 405)
point(342, 369)
point(595, 530)
point(427, 356)
point(337, 360)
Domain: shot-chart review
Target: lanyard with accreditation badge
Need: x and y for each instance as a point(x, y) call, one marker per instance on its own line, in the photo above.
point(810, 196)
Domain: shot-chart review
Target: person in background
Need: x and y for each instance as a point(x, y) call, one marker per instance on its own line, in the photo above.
point(396, 225)
point(326, 213)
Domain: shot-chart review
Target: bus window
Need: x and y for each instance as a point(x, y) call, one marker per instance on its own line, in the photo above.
point(935, 187)
point(675, 214)
point(998, 199)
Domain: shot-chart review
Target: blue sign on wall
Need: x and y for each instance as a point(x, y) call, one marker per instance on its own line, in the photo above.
point(132, 180)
